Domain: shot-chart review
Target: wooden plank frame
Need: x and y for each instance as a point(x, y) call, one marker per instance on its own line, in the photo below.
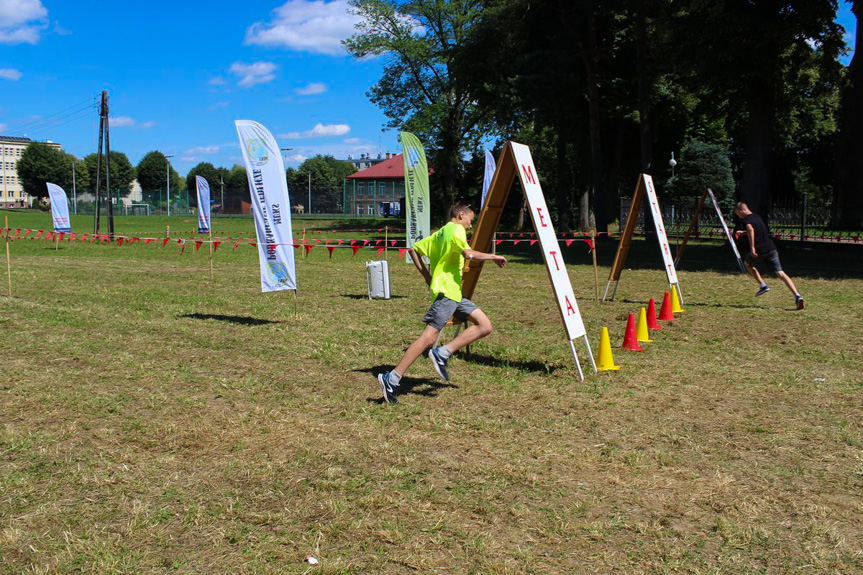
point(643, 188)
point(696, 216)
point(486, 227)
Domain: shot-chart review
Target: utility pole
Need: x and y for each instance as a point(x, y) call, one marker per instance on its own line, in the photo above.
point(104, 135)
point(168, 178)
point(222, 181)
point(74, 193)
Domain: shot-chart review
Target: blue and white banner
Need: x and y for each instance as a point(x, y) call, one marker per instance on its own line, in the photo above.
point(203, 205)
point(270, 206)
point(489, 175)
point(59, 208)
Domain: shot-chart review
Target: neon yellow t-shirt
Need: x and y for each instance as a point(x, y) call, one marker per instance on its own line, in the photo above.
point(444, 251)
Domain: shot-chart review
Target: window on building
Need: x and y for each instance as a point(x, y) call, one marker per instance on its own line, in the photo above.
point(382, 189)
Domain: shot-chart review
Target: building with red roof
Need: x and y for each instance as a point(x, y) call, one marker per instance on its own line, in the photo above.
point(377, 190)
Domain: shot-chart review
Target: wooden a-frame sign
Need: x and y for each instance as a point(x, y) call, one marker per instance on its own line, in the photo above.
point(695, 216)
point(642, 189)
point(515, 159)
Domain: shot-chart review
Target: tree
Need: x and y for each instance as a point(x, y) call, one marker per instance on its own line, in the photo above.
point(848, 202)
point(41, 163)
point(236, 188)
point(702, 166)
point(122, 173)
point(207, 171)
point(152, 172)
point(327, 180)
point(420, 90)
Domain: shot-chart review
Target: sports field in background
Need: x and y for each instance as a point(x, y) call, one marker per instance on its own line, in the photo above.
point(154, 421)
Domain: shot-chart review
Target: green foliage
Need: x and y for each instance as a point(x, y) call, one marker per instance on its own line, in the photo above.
point(207, 171)
point(152, 171)
point(41, 163)
point(327, 178)
point(701, 166)
point(236, 188)
point(122, 173)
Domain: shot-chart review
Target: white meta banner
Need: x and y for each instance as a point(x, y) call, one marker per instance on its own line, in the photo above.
point(548, 240)
point(670, 270)
point(270, 206)
point(203, 187)
point(59, 208)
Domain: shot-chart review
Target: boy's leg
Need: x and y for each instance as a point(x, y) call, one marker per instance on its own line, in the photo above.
point(753, 271)
point(416, 349)
point(481, 327)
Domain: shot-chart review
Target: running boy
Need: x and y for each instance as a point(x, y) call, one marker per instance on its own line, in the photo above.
point(446, 250)
point(761, 249)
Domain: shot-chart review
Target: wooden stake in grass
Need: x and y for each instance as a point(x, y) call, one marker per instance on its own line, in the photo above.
point(593, 251)
point(305, 255)
point(8, 261)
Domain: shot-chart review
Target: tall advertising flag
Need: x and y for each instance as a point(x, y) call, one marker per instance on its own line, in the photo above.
point(203, 204)
point(59, 208)
point(270, 206)
point(489, 174)
point(417, 203)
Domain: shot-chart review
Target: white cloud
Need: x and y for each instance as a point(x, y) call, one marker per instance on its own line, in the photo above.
point(312, 88)
point(251, 74)
point(319, 131)
point(127, 122)
point(22, 21)
point(218, 106)
point(10, 74)
point(203, 150)
point(316, 26)
point(122, 122)
point(217, 81)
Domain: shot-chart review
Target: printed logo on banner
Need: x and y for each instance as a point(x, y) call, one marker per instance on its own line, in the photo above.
point(278, 272)
point(258, 153)
point(413, 158)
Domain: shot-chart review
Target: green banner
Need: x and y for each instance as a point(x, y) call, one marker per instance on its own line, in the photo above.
point(417, 203)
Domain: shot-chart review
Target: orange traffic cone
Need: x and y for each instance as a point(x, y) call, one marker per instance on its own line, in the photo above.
point(643, 333)
point(652, 324)
point(630, 341)
point(675, 300)
point(605, 361)
point(665, 313)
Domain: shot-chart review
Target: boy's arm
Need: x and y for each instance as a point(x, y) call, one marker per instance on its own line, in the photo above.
point(750, 233)
point(420, 265)
point(470, 254)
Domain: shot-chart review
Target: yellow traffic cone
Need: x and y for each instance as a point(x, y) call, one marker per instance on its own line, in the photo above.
point(605, 361)
point(675, 300)
point(642, 331)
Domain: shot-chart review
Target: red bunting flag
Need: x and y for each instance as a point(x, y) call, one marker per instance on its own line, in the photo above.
point(533, 242)
point(216, 245)
point(379, 242)
point(148, 240)
point(253, 244)
point(353, 242)
point(331, 249)
point(356, 249)
point(341, 242)
point(569, 242)
point(497, 242)
point(165, 241)
point(515, 242)
point(308, 248)
point(198, 244)
point(28, 232)
point(392, 243)
point(50, 236)
point(182, 246)
point(380, 251)
point(589, 243)
point(236, 245)
point(402, 252)
point(317, 241)
point(120, 241)
point(366, 242)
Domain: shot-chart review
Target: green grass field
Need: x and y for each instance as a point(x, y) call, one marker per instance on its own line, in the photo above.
point(154, 421)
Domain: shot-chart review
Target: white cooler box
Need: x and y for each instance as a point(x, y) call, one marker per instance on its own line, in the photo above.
point(378, 276)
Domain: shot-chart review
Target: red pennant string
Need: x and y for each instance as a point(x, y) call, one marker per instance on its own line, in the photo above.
point(589, 244)
point(341, 242)
point(308, 248)
point(569, 242)
point(331, 249)
point(39, 235)
point(120, 241)
point(50, 236)
point(236, 245)
point(198, 244)
point(497, 242)
point(533, 242)
point(165, 241)
point(392, 243)
point(253, 244)
point(511, 236)
point(317, 241)
point(379, 242)
point(403, 251)
point(183, 246)
point(216, 246)
point(149, 240)
point(515, 242)
point(366, 242)
point(356, 249)
point(380, 251)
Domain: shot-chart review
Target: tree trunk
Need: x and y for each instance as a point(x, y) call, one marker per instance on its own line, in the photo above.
point(589, 57)
point(758, 163)
point(847, 211)
point(564, 182)
point(643, 92)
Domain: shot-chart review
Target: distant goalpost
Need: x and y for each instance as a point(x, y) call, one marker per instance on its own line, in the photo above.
point(138, 209)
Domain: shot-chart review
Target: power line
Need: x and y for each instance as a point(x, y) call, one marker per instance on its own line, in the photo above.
point(83, 113)
point(50, 118)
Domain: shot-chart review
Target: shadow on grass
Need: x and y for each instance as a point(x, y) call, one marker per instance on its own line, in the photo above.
point(242, 320)
point(533, 366)
point(699, 304)
point(366, 296)
point(413, 385)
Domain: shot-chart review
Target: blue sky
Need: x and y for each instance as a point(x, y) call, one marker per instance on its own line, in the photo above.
point(179, 73)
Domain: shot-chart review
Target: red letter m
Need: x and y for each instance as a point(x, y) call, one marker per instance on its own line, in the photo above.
point(528, 174)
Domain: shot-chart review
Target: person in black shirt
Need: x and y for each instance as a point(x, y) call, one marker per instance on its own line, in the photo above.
point(762, 249)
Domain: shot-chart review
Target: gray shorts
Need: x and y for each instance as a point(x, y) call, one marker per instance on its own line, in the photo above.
point(444, 308)
point(770, 257)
